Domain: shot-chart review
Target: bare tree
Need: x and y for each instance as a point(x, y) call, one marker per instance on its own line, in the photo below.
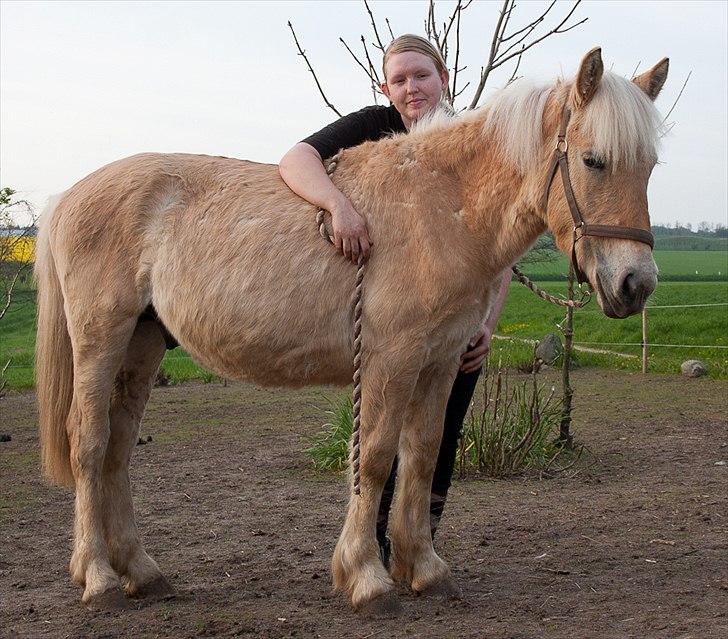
point(511, 46)
point(508, 45)
point(17, 229)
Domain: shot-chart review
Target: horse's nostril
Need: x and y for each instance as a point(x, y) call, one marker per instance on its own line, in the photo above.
point(629, 286)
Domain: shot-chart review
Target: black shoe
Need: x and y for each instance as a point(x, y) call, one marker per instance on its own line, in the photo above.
point(385, 550)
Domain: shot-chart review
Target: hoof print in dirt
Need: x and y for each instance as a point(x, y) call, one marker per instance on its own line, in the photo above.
point(158, 588)
point(386, 606)
point(445, 589)
point(113, 599)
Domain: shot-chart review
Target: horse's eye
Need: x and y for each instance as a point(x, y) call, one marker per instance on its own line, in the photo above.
point(593, 162)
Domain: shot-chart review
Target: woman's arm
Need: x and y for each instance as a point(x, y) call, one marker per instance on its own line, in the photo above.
point(303, 171)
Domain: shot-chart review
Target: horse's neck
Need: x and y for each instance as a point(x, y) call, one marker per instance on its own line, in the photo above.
point(453, 172)
point(499, 206)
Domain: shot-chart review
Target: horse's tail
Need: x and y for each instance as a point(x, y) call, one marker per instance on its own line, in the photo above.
point(53, 361)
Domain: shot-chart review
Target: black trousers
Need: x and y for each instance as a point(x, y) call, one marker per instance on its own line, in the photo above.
point(457, 409)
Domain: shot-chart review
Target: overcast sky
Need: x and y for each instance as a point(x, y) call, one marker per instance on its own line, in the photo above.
point(85, 83)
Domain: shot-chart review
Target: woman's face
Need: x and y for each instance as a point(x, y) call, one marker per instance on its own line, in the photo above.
point(413, 85)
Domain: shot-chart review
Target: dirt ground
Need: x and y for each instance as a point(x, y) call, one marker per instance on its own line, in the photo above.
point(631, 542)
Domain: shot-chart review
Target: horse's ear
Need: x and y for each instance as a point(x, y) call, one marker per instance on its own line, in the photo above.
point(588, 78)
point(652, 81)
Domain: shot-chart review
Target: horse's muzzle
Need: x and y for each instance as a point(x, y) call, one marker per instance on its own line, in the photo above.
point(629, 294)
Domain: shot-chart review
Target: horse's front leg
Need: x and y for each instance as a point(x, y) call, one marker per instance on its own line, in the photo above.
point(414, 560)
point(387, 385)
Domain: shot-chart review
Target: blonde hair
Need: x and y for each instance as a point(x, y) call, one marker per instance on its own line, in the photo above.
point(418, 44)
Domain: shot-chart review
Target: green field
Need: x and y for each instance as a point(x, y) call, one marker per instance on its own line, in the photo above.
point(527, 317)
point(524, 317)
point(674, 266)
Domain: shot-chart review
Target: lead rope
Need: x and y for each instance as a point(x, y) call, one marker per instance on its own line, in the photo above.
point(585, 294)
point(356, 411)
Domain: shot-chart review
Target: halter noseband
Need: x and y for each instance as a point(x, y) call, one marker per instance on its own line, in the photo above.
point(581, 228)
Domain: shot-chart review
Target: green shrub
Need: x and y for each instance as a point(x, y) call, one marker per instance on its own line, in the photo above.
point(329, 448)
point(515, 429)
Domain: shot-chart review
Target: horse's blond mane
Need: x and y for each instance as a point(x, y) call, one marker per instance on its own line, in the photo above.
point(514, 115)
point(621, 120)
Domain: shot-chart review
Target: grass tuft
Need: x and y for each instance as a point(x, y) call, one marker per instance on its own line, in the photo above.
point(329, 448)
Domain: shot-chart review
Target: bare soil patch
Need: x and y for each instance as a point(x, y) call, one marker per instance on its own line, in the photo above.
point(632, 542)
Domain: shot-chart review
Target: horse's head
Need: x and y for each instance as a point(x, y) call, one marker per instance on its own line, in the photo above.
point(603, 132)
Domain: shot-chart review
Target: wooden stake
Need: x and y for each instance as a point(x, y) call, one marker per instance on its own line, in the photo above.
point(644, 339)
point(568, 330)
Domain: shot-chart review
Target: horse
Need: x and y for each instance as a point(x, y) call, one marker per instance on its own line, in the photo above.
point(232, 266)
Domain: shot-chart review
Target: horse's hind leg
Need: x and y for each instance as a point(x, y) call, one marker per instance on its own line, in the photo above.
point(132, 387)
point(99, 341)
point(414, 560)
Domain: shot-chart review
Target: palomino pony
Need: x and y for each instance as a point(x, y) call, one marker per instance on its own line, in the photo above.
point(264, 299)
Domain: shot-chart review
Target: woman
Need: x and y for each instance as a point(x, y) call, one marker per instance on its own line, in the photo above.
point(415, 78)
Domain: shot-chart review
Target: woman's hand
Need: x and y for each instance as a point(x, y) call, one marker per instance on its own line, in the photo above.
point(479, 346)
point(350, 230)
point(302, 170)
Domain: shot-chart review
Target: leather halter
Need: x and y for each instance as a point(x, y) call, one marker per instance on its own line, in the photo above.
point(581, 228)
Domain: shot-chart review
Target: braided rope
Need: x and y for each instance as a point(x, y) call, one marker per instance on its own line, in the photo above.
point(356, 412)
point(585, 296)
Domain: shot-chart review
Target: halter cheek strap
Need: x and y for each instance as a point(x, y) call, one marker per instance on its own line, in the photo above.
point(559, 160)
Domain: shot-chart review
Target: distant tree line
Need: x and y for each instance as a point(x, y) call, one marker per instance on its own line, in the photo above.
point(707, 237)
point(704, 229)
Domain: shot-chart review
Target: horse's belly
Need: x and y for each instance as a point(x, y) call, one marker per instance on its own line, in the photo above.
point(268, 339)
point(295, 365)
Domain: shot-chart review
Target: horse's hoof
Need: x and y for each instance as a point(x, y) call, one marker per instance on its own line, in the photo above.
point(158, 588)
point(385, 606)
point(111, 599)
point(443, 589)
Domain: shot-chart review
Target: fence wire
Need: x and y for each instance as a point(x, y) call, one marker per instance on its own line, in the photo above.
point(185, 356)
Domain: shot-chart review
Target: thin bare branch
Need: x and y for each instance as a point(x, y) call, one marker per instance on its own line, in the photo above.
point(378, 43)
point(467, 84)
point(372, 69)
point(674, 104)
point(302, 53)
point(453, 93)
point(372, 79)
point(430, 23)
point(518, 64)
point(389, 26)
point(499, 57)
point(10, 288)
point(557, 29)
point(526, 31)
point(509, 12)
point(517, 42)
point(448, 25)
point(493, 51)
point(535, 23)
point(668, 128)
